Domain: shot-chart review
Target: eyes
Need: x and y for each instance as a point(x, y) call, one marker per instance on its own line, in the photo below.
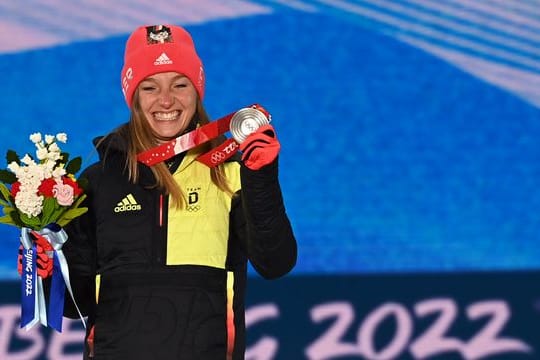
point(151, 87)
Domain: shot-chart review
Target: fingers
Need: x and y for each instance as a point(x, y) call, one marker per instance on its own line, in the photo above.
point(253, 146)
point(264, 133)
point(260, 148)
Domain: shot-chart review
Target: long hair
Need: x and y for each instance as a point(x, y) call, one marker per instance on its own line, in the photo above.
point(140, 138)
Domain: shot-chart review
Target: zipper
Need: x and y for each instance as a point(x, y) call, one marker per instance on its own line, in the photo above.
point(160, 210)
point(160, 245)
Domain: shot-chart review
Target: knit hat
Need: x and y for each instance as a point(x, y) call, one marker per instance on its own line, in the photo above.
point(156, 49)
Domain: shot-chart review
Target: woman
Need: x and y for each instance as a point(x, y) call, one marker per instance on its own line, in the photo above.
point(158, 264)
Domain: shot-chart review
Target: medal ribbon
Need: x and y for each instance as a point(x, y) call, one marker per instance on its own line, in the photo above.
point(195, 138)
point(185, 142)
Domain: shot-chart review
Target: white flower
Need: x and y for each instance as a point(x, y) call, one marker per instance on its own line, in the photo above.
point(47, 168)
point(29, 202)
point(54, 148)
point(49, 139)
point(62, 137)
point(58, 172)
point(27, 160)
point(35, 137)
point(30, 177)
point(53, 156)
point(14, 167)
point(42, 154)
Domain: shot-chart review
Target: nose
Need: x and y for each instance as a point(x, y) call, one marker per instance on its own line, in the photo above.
point(165, 98)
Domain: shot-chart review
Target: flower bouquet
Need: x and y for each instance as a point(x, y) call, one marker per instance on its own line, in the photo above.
point(40, 196)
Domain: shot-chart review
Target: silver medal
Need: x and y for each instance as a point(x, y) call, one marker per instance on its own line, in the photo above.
point(246, 121)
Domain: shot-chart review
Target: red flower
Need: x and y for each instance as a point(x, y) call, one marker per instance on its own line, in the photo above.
point(15, 187)
point(69, 181)
point(46, 187)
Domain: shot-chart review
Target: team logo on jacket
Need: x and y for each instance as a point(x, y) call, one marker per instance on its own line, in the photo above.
point(128, 203)
point(193, 200)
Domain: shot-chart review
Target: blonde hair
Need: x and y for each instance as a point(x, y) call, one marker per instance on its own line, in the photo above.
point(140, 137)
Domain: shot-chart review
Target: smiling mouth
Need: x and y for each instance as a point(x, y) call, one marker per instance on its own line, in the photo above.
point(166, 116)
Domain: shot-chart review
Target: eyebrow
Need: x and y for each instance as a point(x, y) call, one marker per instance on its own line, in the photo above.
point(177, 77)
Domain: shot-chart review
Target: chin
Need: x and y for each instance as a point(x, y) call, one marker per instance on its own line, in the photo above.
point(167, 135)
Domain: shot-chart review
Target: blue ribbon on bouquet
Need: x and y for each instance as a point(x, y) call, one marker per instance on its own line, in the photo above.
point(30, 308)
point(33, 308)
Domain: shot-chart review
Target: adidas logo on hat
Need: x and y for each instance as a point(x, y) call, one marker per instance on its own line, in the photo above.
point(163, 59)
point(127, 204)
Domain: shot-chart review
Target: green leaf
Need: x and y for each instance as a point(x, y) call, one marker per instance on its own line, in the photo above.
point(8, 220)
point(4, 203)
point(74, 165)
point(7, 177)
point(78, 202)
point(32, 222)
point(12, 156)
point(83, 183)
point(50, 205)
point(70, 215)
point(57, 215)
point(8, 209)
point(4, 192)
point(64, 157)
point(16, 216)
point(66, 215)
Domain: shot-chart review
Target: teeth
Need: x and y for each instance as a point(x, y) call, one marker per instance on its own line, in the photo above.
point(162, 116)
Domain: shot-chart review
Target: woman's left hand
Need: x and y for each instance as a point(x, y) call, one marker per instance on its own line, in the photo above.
point(260, 148)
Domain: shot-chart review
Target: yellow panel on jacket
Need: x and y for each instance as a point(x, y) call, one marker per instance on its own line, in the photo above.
point(198, 233)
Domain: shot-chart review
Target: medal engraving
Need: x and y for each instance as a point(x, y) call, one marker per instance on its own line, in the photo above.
point(246, 121)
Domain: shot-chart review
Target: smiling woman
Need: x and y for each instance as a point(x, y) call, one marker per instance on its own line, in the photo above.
point(165, 246)
point(168, 102)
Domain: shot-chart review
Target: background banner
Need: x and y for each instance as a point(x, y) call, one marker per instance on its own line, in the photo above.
point(410, 316)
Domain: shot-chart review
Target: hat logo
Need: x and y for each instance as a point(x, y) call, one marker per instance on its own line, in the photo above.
point(125, 80)
point(200, 80)
point(163, 59)
point(158, 34)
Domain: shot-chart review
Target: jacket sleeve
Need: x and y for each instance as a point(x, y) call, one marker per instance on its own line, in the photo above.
point(270, 244)
point(80, 252)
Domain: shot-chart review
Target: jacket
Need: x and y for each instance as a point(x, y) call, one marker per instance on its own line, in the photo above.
point(157, 282)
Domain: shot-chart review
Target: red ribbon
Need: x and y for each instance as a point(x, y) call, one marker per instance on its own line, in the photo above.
point(195, 138)
point(219, 154)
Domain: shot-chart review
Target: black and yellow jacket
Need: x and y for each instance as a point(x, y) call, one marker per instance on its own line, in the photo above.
point(163, 283)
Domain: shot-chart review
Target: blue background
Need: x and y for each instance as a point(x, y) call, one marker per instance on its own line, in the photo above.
point(393, 159)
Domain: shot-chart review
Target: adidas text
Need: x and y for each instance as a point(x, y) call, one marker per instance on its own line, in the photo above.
point(127, 204)
point(129, 207)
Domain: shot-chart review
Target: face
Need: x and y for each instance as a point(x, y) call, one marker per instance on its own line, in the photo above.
point(168, 101)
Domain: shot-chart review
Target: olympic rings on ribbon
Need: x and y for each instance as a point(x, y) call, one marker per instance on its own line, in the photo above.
point(217, 157)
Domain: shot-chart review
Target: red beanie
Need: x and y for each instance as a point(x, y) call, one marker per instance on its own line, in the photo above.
point(156, 49)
